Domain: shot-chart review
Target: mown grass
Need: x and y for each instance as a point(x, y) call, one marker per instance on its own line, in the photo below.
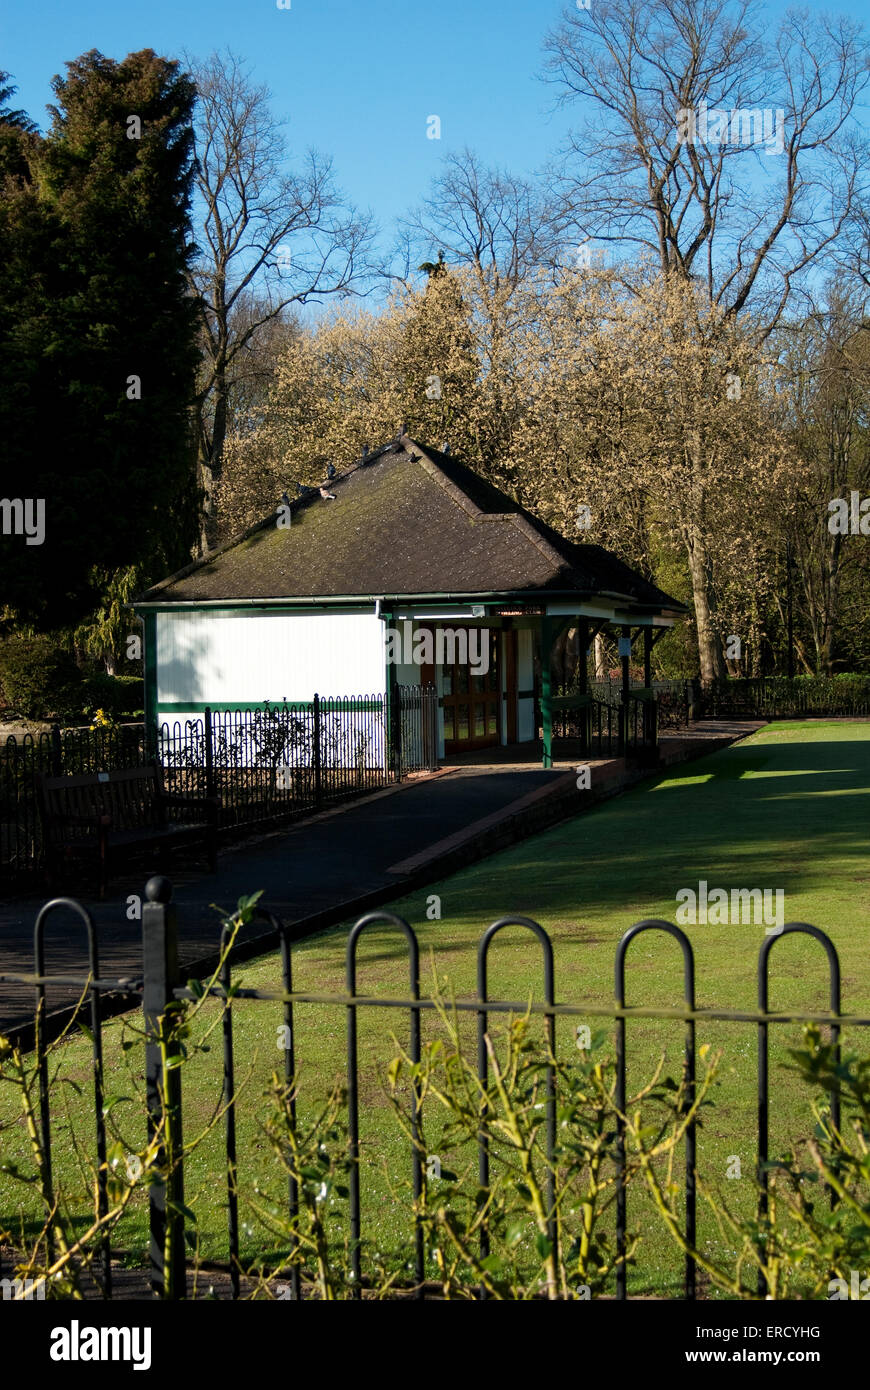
point(787, 808)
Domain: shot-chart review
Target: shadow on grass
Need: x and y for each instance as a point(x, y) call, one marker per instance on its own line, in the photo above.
point(767, 814)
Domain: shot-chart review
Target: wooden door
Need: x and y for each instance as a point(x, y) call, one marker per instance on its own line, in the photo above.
point(471, 704)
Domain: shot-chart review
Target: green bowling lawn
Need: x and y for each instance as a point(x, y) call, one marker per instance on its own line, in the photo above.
point(787, 809)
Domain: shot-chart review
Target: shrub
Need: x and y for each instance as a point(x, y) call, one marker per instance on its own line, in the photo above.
point(40, 678)
point(119, 696)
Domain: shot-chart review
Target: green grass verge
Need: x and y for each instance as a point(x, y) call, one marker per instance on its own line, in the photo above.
point(787, 808)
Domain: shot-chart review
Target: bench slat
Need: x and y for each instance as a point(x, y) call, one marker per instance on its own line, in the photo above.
point(118, 809)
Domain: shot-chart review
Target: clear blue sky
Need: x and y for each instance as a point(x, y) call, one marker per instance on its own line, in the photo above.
point(356, 78)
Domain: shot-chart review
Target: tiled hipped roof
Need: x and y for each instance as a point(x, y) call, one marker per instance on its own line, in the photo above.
point(405, 520)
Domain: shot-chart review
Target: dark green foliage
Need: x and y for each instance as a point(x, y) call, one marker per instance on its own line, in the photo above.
point(118, 696)
point(93, 292)
point(18, 136)
point(17, 120)
point(39, 678)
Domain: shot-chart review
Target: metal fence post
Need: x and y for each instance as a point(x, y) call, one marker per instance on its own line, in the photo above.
point(696, 710)
point(56, 752)
point(163, 1090)
point(318, 770)
point(396, 711)
point(209, 752)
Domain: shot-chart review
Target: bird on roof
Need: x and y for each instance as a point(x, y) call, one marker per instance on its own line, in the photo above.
point(327, 495)
point(365, 452)
point(445, 447)
point(330, 471)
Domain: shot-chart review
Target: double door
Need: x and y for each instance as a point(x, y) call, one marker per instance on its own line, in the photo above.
point(470, 703)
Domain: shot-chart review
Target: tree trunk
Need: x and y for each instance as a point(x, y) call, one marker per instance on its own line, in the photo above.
point(598, 657)
point(211, 466)
point(820, 581)
point(710, 656)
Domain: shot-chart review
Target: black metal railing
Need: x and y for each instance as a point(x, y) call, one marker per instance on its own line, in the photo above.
point(265, 763)
point(673, 699)
point(603, 723)
point(608, 728)
point(160, 986)
point(277, 761)
point(57, 752)
point(777, 697)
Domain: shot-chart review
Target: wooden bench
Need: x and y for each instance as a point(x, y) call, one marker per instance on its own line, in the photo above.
point(101, 813)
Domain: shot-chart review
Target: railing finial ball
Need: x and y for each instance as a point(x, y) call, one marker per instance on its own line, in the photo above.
point(158, 889)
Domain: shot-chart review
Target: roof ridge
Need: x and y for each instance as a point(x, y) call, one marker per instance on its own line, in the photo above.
point(547, 549)
point(453, 490)
point(326, 558)
point(519, 519)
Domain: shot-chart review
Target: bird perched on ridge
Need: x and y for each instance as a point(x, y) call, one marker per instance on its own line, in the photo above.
point(327, 495)
point(330, 471)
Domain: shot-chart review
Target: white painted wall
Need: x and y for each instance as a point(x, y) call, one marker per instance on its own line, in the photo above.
point(525, 681)
point(208, 657)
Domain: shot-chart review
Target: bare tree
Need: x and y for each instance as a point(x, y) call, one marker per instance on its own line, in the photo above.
point(826, 363)
point(744, 204)
point(490, 219)
point(500, 229)
point(270, 239)
point(727, 158)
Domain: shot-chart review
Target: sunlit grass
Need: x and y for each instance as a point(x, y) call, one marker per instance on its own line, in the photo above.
point(729, 820)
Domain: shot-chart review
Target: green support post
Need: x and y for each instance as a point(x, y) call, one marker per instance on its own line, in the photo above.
point(549, 629)
point(625, 661)
point(149, 667)
point(650, 730)
point(583, 683)
point(392, 769)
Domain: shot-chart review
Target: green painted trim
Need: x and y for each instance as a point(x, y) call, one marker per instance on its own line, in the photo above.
point(365, 704)
point(391, 752)
point(492, 597)
point(365, 609)
point(149, 622)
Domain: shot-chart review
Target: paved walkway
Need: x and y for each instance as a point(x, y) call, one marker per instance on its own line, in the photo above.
point(323, 870)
